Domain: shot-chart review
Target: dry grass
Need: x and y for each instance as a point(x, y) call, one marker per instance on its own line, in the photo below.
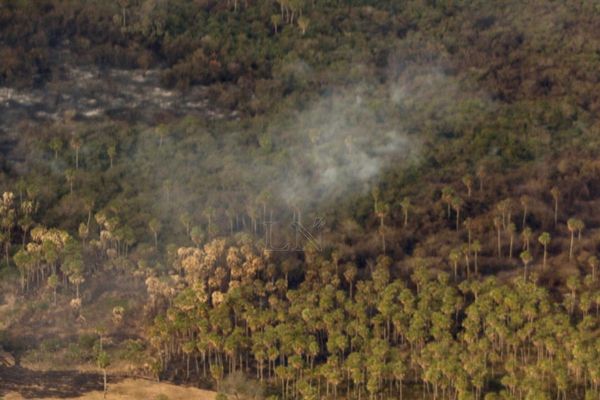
point(134, 389)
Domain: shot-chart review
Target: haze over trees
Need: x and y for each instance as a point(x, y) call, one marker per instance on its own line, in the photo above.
point(391, 200)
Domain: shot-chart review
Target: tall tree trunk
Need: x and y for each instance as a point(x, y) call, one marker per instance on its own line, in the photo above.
point(105, 382)
point(187, 366)
point(89, 218)
point(455, 271)
point(545, 256)
point(457, 218)
point(571, 246)
point(499, 244)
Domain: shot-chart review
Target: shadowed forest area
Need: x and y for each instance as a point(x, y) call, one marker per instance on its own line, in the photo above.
point(32, 384)
point(301, 199)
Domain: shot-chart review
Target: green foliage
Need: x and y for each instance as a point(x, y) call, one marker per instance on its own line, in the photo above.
point(102, 359)
point(50, 345)
point(236, 385)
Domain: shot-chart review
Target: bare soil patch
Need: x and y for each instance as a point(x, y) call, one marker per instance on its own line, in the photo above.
point(18, 383)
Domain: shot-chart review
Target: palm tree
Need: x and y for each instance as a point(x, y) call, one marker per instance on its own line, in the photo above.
point(162, 131)
point(526, 236)
point(167, 188)
point(55, 145)
point(573, 284)
point(7, 220)
point(511, 228)
point(454, 257)
point(580, 226)
point(469, 225)
point(76, 279)
point(117, 314)
point(375, 194)
point(544, 239)
point(526, 258)
point(186, 221)
point(103, 361)
point(505, 207)
point(276, 21)
point(188, 349)
point(197, 235)
point(381, 211)
point(24, 262)
point(70, 178)
point(447, 195)
point(468, 182)
point(283, 6)
point(89, 203)
point(457, 203)
point(76, 145)
point(26, 220)
point(498, 225)
point(124, 4)
point(208, 214)
point(230, 213)
point(405, 204)
point(53, 284)
point(572, 227)
point(593, 263)
point(263, 198)
point(555, 195)
point(350, 272)
point(466, 252)
point(481, 174)
point(476, 247)
point(111, 151)
point(349, 141)
point(525, 200)
point(84, 232)
point(155, 225)
point(303, 23)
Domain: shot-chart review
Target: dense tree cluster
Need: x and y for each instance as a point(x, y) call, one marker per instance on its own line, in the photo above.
point(322, 324)
point(321, 338)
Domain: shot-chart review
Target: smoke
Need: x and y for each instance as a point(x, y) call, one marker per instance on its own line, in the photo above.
point(344, 147)
point(344, 142)
point(309, 157)
point(312, 158)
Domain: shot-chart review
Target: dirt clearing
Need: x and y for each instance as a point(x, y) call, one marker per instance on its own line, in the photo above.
point(67, 385)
